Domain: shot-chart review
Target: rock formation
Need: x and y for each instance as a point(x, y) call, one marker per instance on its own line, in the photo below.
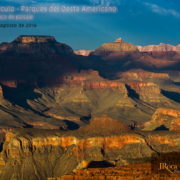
point(39, 45)
point(34, 39)
point(159, 48)
point(92, 81)
point(83, 52)
point(164, 119)
point(107, 124)
point(11, 84)
point(147, 91)
point(3, 46)
point(141, 75)
point(175, 125)
point(24, 154)
point(117, 46)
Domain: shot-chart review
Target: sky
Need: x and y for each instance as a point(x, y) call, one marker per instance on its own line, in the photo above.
point(141, 22)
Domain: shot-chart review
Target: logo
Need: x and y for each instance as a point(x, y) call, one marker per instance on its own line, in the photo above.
point(166, 163)
point(170, 168)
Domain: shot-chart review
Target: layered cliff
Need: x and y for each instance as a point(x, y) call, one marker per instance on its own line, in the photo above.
point(82, 94)
point(91, 80)
point(39, 155)
point(164, 119)
point(36, 60)
point(141, 75)
point(34, 39)
point(117, 46)
point(147, 91)
point(159, 48)
point(40, 45)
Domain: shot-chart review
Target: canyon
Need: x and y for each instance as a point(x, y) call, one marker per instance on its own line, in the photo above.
point(64, 112)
